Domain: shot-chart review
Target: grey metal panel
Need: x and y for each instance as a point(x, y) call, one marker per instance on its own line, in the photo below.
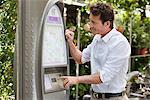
point(61, 95)
point(33, 10)
point(27, 53)
point(30, 13)
point(29, 22)
point(19, 53)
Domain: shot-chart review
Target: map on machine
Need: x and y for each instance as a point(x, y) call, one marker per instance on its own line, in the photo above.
point(54, 45)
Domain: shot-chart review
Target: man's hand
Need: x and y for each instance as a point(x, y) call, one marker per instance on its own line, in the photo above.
point(69, 80)
point(69, 35)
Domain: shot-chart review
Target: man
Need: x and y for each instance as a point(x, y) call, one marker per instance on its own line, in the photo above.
point(108, 53)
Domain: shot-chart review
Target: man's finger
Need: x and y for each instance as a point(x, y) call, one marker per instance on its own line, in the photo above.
point(63, 77)
point(67, 84)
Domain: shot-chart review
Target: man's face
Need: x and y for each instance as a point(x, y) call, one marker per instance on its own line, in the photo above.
point(96, 25)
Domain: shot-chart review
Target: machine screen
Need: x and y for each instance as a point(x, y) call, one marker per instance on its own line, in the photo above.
point(53, 82)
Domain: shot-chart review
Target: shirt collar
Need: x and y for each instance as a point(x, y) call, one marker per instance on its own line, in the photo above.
point(97, 37)
point(109, 35)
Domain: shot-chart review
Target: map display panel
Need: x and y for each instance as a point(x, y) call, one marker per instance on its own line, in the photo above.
point(54, 44)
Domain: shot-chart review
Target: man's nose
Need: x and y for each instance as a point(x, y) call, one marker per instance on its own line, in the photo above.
point(91, 26)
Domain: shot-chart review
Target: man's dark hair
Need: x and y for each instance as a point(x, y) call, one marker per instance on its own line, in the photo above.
point(104, 11)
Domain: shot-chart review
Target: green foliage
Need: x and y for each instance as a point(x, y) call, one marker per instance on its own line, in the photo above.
point(140, 63)
point(141, 35)
point(82, 90)
point(8, 20)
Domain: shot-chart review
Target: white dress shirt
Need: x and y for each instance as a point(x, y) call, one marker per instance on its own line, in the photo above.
point(109, 56)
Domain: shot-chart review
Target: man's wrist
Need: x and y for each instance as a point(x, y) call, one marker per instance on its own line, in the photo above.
point(77, 79)
point(70, 41)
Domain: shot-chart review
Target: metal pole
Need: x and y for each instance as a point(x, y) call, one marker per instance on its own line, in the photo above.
point(65, 15)
point(130, 41)
point(78, 45)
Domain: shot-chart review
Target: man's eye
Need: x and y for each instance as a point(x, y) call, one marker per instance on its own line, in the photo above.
point(93, 22)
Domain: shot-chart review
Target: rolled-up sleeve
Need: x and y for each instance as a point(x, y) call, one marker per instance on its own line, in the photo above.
point(86, 54)
point(117, 57)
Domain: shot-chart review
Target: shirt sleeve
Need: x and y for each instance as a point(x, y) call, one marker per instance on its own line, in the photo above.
point(86, 54)
point(116, 59)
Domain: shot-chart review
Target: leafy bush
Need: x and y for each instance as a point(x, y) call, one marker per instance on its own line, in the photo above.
point(140, 35)
point(8, 20)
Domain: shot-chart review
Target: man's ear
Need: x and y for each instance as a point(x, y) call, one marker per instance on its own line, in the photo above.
point(107, 24)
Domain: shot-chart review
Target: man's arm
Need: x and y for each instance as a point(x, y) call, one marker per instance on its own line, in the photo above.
point(75, 53)
point(90, 79)
point(87, 79)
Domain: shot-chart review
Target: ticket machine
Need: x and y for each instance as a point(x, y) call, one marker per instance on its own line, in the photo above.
point(52, 57)
point(41, 54)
